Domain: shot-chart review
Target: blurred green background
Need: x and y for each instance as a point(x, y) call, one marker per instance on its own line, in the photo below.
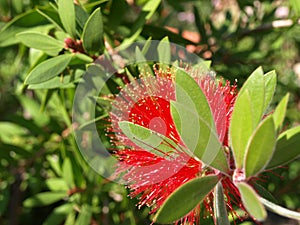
point(43, 178)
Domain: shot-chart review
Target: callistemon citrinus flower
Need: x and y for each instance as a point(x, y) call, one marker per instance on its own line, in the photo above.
point(153, 177)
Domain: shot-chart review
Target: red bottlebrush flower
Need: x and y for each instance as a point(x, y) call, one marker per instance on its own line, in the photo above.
point(146, 102)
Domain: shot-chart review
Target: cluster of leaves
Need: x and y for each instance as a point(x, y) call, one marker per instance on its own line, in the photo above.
point(257, 145)
point(46, 48)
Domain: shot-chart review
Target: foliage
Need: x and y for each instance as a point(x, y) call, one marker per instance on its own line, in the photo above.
point(47, 46)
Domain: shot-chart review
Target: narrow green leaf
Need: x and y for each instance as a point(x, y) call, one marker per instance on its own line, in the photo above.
point(85, 215)
point(40, 41)
point(270, 81)
point(264, 192)
point(143, 66)
point(247, 113)
point(164, 51)
point(81, 59)
point(92, 35)
point(81, 16)
point(220, 210)
point(199, 137)
point(48, 69)
point(67, 81)
point(251, 202)
point(185, 198)
point(189, 94)
point(68, 172)
point(241, 127)
point(66, 11)
point(30, 20)
point(57, 184)
point(287, 148)
point(147, 11)
point(44, 198)
point(149, 140)
point(280, 210)
point(260, 147)
point(280, 111)
point(58, 215)
point(255, 85)
point(51, 15)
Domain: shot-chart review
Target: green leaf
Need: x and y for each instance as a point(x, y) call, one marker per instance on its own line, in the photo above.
point(185, 198)
point(287, 148)
point(33, 109)
point(148, 140)
point(251, 201)
point(295, 4)
point(246, 115)
point(220, 210)
point(280, 111)
point(190, 95)
point(270, 81)
point(143, 65)
point(264, 192)
point(81, 16)
point(260, 147)
point(194, 121)
point(81, 59)
point(280, 210)
point(40, 41)
point(164, 51)
point(66, 11)
point(44, 198)
point(30, 20)
point(57, 184)
point(51, 15)
point(58, 215)
point(118, 10)
point(68, 172)
point(147, 11)
point(255, 85)
point(85, 215)
point(67, 81)
point(48, 69)
point(198, 136)
point(93, 33)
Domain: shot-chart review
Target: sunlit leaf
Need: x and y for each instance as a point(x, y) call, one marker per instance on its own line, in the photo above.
point(67, 171)
point(44, 198)
point(148, 140)
point(246, 115)
point(85, 215)
point(197, 134)
point(287, 147)
point(164, 51)
point(270, 81)
point(56, 184)
point(251, 202)
point(185, 198)
point(280, 111)
point(260, 147)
